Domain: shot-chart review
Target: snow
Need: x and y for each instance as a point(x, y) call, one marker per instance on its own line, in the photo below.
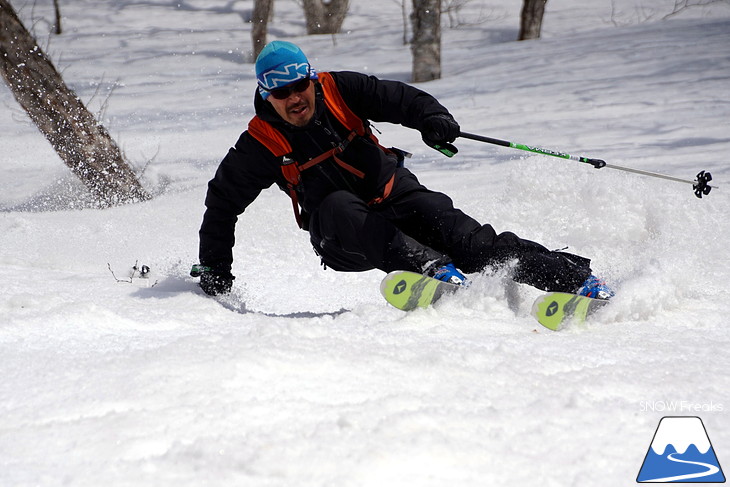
point(306, 377)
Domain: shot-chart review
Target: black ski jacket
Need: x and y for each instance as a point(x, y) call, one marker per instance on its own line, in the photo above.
point(249, 167)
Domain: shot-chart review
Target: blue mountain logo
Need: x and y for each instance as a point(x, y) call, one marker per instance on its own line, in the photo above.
point(681, 452)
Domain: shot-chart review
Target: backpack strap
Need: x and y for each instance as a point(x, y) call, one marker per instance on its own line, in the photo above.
point(290, 169)
point(279, 146)
point(337, 106)
point(333, 154)
point(269, 136)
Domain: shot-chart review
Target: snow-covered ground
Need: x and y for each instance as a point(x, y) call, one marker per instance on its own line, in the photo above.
point(305, 377)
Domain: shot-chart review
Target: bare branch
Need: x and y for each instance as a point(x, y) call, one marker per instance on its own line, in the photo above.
point(682, 5)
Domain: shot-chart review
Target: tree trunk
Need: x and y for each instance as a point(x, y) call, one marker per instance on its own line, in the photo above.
point(81, 142)
point(58, 29)
point(325, 18)
point(531, 19)
point(426, 45)
point(259, 24)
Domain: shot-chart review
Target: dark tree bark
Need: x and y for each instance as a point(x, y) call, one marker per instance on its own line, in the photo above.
point(58, 28)
point(83, 144)
point(531, 19)
point(426, 45)
point(325, 17)
point(259, 24)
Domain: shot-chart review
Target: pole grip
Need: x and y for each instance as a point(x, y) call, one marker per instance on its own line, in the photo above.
point(597, 163)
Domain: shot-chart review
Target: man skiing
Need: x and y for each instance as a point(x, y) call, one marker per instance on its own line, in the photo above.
point(361, 207)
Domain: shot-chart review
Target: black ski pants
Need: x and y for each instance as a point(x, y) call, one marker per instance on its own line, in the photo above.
point(416, 227)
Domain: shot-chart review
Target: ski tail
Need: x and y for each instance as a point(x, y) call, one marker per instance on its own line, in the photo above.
point(409, 290)
point(554, 310)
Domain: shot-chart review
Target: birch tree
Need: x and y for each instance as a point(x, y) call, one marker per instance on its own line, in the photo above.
point(82, 143)
point(531, 19)
point(325, 17)
point(262, 10)
point(426, 44)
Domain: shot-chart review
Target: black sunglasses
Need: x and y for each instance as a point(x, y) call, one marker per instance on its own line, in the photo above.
point(285, 92)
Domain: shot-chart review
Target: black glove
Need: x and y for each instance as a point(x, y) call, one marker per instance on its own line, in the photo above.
point(212, 281)
point(438, 131)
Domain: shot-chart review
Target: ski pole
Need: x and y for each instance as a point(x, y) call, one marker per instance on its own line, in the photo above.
point(700, 185)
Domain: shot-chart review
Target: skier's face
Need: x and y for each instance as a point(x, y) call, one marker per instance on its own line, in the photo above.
point(295, 104)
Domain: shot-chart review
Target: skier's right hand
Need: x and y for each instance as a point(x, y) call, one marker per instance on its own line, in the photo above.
point(212, 281)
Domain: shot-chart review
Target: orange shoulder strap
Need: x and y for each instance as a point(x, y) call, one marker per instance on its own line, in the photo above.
point(269, 136)
point(337, 106)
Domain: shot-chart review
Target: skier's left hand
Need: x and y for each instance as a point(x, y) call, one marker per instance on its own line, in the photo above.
point(438, 131)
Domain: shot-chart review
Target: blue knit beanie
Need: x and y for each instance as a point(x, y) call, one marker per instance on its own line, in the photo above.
point(279, 64)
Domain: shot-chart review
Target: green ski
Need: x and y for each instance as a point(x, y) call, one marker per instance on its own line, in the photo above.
point(554, 310)
point(409, 290)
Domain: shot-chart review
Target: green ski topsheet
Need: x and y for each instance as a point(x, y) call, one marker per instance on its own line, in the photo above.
point(409, 290)
point(554, 310)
